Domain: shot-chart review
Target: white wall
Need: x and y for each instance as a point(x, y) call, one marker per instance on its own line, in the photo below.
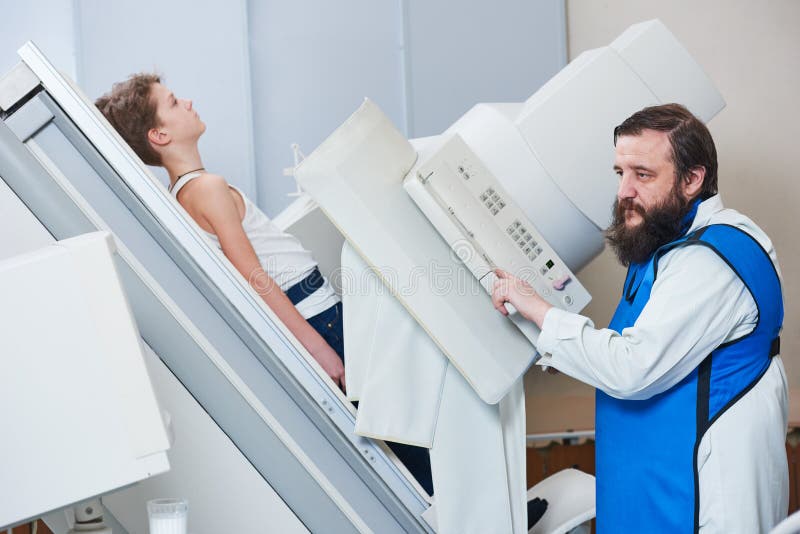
point(202, 50)
point(423, 62)
point(264, 73)
point(461, 53)
point(312, 65)
point(50, 23)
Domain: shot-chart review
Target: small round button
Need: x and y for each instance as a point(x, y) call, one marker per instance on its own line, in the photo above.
point(568, 300)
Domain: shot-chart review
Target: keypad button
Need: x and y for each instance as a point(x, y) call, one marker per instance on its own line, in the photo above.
point(528, 238)
point(515, 236)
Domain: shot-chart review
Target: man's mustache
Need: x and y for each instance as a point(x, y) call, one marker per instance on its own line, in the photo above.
point(627, 204)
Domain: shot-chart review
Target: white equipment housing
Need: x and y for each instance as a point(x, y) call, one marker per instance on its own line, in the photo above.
point(486, 229)
point(542, 171)
point(78, 397)
point(552, 155)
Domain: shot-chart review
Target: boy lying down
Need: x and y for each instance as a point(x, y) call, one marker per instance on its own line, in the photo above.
point(164, 131)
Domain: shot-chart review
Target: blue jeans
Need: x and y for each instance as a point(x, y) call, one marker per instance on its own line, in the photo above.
point(329, 325)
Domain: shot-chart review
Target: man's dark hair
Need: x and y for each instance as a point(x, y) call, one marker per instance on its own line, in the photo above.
point(130, 109)
point(692, 145)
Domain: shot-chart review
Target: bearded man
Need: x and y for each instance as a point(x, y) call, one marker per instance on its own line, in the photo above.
point(691, 402)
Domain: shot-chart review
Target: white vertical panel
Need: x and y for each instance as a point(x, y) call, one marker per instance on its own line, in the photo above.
point(312, 65)
point(200, 47)
point(463, 53)
point(49, 23)
point(20, 231)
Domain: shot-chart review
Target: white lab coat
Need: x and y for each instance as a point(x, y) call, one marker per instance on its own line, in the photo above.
point(409, 392)
point(743, 476)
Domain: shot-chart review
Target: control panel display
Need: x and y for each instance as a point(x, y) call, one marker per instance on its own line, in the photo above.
point(485, 227)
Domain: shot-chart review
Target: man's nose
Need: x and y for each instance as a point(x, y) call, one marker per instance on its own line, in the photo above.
point(188, 104)
point(626, 187)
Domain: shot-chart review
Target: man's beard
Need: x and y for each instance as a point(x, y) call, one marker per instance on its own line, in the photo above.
point(660, 225)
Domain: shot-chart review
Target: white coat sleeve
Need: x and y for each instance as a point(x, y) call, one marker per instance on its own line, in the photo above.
point(697, 303)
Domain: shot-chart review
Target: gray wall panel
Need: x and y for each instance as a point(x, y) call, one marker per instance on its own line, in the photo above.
point(48, 22)
point(264, 74)
point(463, 53)
point(312, 65)
point(200, 48)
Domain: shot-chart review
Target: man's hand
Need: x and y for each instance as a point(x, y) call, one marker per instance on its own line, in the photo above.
point(520, 294)
point(331, 363)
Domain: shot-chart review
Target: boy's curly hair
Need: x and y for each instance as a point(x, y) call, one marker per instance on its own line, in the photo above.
point(132, 112)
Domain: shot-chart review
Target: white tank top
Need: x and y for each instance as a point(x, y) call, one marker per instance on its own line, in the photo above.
point(282, 255)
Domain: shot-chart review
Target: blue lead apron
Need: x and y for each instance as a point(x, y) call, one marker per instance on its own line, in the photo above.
point(646, 450)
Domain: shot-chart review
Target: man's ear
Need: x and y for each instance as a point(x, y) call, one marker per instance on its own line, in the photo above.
point(158, 137)
point(692, 183)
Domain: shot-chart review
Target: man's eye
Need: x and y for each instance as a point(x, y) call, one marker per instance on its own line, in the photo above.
point(643, 176)
point(618, 173)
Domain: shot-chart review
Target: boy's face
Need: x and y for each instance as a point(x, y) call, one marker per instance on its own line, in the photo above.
point(177, 119)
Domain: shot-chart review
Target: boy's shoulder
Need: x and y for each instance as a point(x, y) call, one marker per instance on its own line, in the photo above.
point(205, 183)
point(208, 180)
point(200, 193)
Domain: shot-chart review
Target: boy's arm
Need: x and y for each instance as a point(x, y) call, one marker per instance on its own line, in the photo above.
point(218, 209)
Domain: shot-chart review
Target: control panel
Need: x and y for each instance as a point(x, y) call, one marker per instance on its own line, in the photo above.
point(485, 227)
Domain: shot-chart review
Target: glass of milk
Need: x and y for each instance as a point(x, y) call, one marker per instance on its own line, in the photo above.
point(168, 516)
